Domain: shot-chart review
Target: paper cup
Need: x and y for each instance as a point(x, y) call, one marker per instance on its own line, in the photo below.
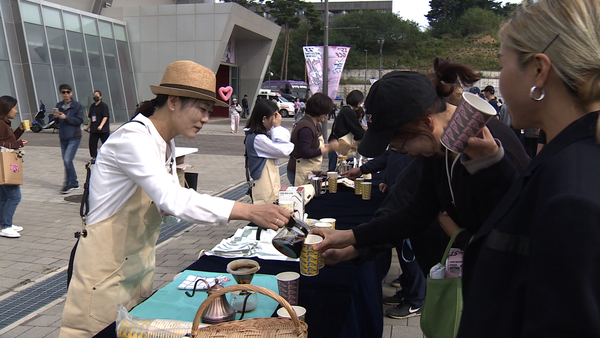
point(328, 220)
point(471, 115)
point(288, 283)
point(312, 221)
point(289, 205)
point(300, 312)
point(366, 190)
point(26, 125)
point(358, 185)
point(310, 259)
point(332, 181)
point(322, 225)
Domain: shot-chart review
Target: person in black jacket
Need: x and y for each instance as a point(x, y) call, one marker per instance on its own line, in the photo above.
point(446, 183)
point(68, 113)
point(99, 127)
point(347, 124)
point(532, 270)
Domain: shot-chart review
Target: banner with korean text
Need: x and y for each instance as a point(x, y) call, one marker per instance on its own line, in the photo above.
point(314, 67)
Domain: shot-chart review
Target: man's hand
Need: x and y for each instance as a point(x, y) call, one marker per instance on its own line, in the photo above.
point(334, 256)
point(333, 239)
point(352, 173)
point(268, 216)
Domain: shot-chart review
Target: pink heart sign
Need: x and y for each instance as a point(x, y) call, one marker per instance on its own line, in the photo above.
point(225, 92)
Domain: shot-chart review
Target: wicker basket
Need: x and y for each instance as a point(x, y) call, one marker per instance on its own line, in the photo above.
point(273, 327)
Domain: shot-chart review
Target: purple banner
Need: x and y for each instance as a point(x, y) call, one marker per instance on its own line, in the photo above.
point(314, 64)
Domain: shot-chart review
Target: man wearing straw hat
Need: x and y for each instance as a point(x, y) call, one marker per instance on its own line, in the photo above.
point(132, 184)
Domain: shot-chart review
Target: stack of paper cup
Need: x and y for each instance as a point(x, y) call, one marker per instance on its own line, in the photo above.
point(332, 181)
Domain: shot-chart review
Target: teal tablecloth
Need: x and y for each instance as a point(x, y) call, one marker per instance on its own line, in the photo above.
point(172, 303)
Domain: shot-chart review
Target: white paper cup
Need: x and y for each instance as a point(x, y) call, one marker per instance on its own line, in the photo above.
point(471, 115)
point(328, 220)
point(300, 312)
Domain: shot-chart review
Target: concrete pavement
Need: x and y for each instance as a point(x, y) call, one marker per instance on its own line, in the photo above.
point(49, 223)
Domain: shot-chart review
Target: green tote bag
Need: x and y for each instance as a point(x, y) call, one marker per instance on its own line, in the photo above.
point(443, 303)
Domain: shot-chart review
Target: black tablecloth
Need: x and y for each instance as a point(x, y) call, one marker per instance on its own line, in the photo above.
point(343, 300)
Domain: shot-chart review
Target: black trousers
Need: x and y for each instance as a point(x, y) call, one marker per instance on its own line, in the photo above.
point(94, 137)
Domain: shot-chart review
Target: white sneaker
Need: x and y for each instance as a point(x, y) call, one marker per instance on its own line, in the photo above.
point(9, 232)
point(17, 228)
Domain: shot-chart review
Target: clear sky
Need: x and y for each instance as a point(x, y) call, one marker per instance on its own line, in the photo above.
point(416, 10)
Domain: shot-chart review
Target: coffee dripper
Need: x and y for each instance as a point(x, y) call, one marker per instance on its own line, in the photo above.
point(243, 270)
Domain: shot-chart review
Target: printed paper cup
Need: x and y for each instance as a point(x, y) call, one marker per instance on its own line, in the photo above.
point(289, 205)
point(366, 190)
point(310, 259)
point(471, 115)
point(358, 185)
point(288, 283)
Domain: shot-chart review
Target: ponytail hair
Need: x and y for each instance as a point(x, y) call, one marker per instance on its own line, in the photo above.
point(447, 74)
point(148, 107)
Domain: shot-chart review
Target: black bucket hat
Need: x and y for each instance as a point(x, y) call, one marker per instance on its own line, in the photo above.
point(396, 99)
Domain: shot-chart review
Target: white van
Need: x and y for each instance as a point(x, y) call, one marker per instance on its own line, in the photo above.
point(286, 108)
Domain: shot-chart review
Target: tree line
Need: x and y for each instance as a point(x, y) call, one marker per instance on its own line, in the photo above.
point(455, 30)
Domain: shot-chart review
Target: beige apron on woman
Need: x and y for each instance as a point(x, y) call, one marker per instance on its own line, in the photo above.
point(113, 265)
point(266, 188)
point(306, 165)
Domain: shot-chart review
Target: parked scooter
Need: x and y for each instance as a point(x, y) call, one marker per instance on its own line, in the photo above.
point(39, 122)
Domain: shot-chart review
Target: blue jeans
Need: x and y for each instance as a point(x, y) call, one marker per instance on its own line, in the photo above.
point(68, 149)
point(10, 196)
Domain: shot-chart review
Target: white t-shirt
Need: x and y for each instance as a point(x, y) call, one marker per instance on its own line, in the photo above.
point(136, 155)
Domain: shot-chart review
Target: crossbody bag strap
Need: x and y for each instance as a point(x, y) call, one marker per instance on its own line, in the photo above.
point(84, 207)
point(249, 180)
point(443, 262)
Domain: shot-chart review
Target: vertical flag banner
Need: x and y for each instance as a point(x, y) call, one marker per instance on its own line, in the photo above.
point(314, 65)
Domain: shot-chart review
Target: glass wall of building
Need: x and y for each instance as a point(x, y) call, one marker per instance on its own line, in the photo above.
point(85, 51)
point(7, 85)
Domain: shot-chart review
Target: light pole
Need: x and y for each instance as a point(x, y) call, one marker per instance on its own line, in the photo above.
point(270, 74)
point(380, 41)
point(365, 72)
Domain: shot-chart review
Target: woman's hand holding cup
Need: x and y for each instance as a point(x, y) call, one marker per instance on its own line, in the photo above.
point(482, 146)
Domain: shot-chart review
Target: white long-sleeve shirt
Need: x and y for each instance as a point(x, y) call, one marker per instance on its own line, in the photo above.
point(275, 147)
point(136, 155)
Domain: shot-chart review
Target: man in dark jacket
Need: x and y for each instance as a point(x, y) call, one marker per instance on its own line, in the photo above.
point(69, 115)
point(489, 96)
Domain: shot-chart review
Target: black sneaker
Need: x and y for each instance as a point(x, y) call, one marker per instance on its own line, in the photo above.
point(75, 187)
point(404, 310)
point(66, 190)
point(393, 300)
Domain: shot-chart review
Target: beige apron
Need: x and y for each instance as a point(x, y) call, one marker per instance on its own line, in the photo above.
point(306, 165)
point(266, 188)
point(113, 265)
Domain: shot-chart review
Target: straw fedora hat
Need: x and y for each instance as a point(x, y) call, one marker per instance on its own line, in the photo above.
point(189, 79)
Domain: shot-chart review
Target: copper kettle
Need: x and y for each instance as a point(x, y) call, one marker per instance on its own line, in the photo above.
point(219, 310)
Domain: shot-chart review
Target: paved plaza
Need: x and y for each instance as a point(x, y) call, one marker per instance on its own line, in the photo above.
point(49, 222)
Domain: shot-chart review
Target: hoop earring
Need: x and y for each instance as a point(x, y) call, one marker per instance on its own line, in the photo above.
point(531, 92)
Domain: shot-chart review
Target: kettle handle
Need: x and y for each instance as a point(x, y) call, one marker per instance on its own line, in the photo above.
point(244, 287)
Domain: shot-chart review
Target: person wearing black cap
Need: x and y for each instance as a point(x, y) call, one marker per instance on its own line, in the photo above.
point(489, 96)
point(449, 182)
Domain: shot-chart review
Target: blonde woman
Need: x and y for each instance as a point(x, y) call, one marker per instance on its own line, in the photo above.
point(532, 270)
